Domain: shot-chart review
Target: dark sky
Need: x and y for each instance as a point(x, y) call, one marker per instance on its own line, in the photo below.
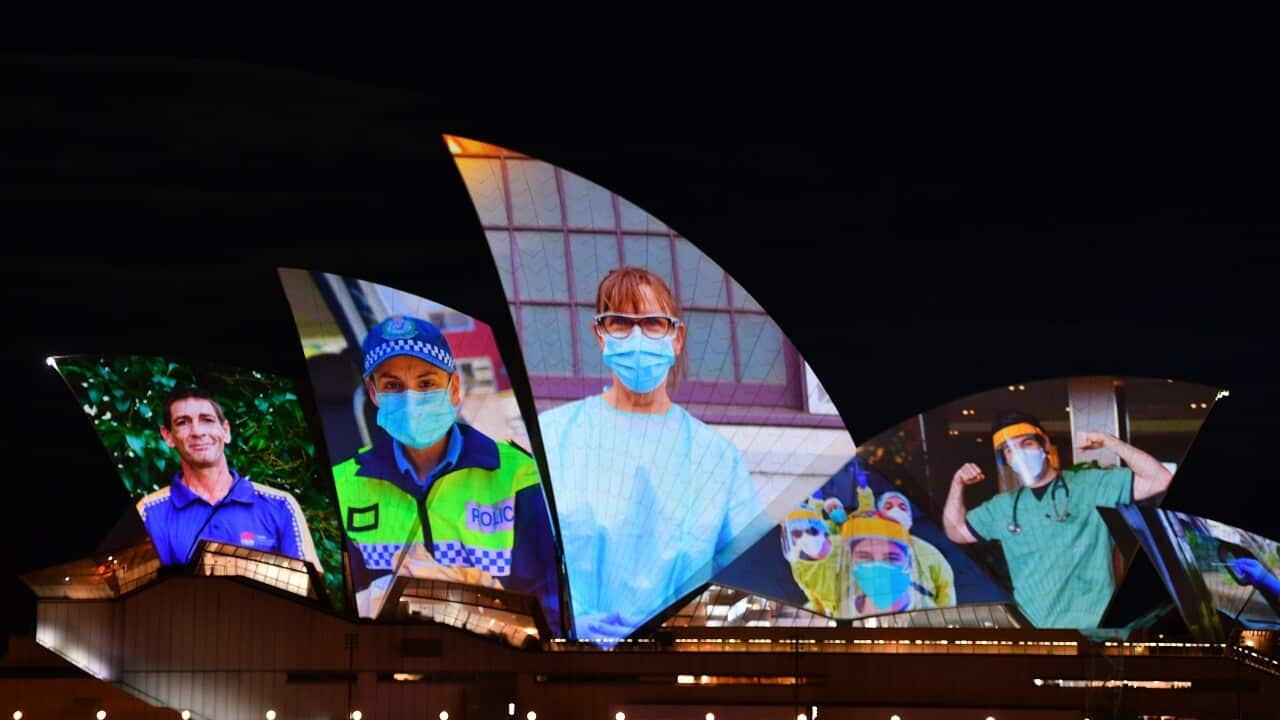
point(987, 199)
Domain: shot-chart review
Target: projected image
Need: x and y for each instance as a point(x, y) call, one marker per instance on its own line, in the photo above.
point(212, 453)
point(678, 422)
point(1002, 488)
point(428, 449)
point(1239, 570)
point(859, 547)
point(1052, 453)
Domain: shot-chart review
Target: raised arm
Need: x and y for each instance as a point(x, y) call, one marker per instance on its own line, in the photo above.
point(954, 514)
point(1149, 476)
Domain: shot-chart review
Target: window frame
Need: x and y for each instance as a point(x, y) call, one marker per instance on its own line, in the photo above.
point(726, 401)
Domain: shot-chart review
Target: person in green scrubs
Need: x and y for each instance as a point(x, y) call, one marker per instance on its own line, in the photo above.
point(1057, 547)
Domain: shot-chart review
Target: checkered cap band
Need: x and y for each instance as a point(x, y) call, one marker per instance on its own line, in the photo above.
point(432, 353)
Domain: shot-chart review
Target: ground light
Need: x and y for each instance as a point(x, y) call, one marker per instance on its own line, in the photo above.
point(531, 715)
point(711, 716)
point(444, 715)
point(271, 715)
point(619, 715)
point(186, 715)
point(102, 715)
point(357, 715)
point(17, 715)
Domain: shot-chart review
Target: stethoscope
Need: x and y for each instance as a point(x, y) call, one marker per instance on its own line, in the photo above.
point(1058, 515)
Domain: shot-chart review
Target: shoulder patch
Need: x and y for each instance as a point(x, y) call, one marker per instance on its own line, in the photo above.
point(270, 492)
point(152, 499)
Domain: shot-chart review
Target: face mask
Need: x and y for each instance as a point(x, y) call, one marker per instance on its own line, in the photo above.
point(1028, 464)
point(417, 419)
point(815, 546)
point(883, 582)
point(640, 363)
point(899, 515)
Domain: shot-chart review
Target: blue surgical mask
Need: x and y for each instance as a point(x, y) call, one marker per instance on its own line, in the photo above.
point(417, 419)
point(1028, 464)
point(883, 582)
point(641, 363)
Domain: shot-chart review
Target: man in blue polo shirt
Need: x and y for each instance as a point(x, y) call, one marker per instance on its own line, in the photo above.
point(208, 500)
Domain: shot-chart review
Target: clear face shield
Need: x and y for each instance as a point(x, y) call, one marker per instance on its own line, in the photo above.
point(1024, 455)
point(805, 537)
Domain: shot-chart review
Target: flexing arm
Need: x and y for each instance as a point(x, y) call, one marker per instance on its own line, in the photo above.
point(953, 514)
point(1149, 476)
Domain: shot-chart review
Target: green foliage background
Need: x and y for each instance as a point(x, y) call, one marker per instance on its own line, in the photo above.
point(271, 442)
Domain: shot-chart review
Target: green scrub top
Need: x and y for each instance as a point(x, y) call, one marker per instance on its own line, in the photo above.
point(1061, 571)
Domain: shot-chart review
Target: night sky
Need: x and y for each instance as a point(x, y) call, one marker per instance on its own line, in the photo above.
point(924, 221)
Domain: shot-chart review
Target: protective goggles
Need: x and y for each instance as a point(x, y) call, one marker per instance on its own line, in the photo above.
point(654, 327)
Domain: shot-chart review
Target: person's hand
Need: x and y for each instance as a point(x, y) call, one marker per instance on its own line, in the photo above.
point(1250, 571)
point(1088, 440)
point(968, 474)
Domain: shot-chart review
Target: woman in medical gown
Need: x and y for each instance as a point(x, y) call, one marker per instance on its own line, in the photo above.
point(651, 501)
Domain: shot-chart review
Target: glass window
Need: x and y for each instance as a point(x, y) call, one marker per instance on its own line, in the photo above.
point(535, 199)
point(709, 345)
point(588, 348)
point(543, 275)
point(594, 255)
point(730, 338)
point(500, 244)
point(701, 280)
point(588, 204)
point(633, 218)
point(548, 345)
point(760, 350)
point(649, 252)
point(483, 177)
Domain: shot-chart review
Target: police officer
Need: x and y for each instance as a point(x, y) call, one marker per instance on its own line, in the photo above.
point(437, 487)
point(210, 501)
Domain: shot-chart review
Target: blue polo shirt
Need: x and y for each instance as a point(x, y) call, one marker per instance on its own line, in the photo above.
point(450, 459)
point(250, 515)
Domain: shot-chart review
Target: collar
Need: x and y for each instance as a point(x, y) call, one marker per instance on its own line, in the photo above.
point(379, 461)
point(1039, 492)
point(451, 453)
point(181, 496)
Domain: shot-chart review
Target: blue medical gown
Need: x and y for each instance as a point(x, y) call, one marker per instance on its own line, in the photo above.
point(649, 506)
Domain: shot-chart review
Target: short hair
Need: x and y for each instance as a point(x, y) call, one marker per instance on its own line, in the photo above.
point(188, 393)
point(621, 290)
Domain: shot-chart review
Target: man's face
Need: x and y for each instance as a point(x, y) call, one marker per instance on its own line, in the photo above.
point(405, 372)
point(196, 432)
point(874, 549)
point(1029, 442)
